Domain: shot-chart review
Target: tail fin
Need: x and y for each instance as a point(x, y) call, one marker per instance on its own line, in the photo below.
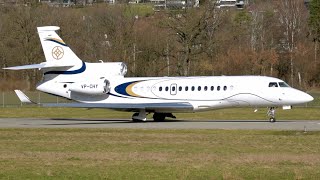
point(54, 48)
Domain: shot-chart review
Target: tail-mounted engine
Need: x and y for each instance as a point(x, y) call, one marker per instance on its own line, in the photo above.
point(91, 88)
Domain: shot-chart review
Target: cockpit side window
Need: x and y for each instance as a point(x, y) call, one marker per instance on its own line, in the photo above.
point(273, 84)
point(283, 84)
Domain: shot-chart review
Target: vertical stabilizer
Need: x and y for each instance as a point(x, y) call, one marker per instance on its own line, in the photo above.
point(54, 48)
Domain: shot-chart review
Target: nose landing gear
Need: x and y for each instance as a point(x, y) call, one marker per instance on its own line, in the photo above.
point(271, 113)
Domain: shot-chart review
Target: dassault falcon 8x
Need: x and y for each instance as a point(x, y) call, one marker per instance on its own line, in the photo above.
point(103, 85)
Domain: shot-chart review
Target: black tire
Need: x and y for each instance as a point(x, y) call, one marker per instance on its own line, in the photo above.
point(272, 120)
point(159, 117)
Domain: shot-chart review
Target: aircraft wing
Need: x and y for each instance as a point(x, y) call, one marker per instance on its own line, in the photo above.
point(159, 107)
point(170, 106)
point(23, 98)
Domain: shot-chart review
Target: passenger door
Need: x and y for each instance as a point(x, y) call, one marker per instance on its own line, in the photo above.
point(173, 89)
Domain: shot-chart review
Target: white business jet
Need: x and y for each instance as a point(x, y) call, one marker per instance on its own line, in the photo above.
point(103, 85)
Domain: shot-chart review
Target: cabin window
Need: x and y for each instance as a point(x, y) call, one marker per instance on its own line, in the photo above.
point(167, 88)
point(212, 88)
point(186, 88)
point(283, 84)
point(206, 88)
point(218, 88)
point(192, 88)
point(224, 88)
point(180, 88)
point(173, 88)
point(160, 88)
point(199, 88)
point(273, 84)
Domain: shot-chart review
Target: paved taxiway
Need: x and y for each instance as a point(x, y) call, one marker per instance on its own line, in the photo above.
point(176, 124)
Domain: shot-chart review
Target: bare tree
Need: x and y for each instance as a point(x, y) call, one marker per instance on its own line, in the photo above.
point(290, 17)
point(190, 27)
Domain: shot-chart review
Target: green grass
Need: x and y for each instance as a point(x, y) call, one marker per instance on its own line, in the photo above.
point(158, 154)
point(229, 114)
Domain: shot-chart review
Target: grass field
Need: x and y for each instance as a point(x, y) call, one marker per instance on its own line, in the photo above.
point(158, 154)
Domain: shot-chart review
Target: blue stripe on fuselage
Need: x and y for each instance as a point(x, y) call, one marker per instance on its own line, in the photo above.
point(121, 89)
point(77, 71)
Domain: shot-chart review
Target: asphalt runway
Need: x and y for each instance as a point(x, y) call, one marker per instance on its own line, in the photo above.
point(173, 124)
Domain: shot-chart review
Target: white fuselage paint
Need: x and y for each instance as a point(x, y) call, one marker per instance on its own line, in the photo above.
point(228, 91)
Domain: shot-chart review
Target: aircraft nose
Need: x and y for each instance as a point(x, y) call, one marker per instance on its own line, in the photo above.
point(308, 98)
point(304, 97)
point(299, 97)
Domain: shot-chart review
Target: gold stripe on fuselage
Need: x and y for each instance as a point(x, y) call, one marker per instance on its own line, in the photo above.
point(129, 90)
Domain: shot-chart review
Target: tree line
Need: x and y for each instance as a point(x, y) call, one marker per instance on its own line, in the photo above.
point(272, 38)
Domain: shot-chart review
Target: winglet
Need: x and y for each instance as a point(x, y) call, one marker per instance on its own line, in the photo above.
point(23, 98)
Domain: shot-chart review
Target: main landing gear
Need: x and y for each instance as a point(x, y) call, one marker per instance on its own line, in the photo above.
point(157, 117)
point(140, 116)
point(160, 117)
point(271, 114)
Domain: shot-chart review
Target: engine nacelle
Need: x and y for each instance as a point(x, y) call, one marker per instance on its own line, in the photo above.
point(112, 68)
point(101, 87)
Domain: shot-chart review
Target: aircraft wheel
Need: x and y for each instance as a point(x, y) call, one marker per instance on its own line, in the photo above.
point(159, 117)
point(136, 120)
point(272, 119)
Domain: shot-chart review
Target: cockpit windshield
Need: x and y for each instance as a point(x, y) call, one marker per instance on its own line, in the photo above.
point(283, 84)
point(278, 84)
point(273, 84)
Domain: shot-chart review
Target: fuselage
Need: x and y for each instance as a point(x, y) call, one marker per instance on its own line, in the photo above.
point(204, 93)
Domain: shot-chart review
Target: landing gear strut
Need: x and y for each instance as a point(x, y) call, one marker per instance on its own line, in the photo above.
point(271, 114)
point(140, 116)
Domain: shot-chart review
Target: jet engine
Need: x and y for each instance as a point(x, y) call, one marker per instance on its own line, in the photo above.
point(107, 69)
point(91, 88)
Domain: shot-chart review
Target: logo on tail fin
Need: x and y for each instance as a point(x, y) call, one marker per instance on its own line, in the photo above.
point(57, 52)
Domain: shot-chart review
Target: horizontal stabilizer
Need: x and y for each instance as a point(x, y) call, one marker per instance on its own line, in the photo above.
point(48, 28)
point(124, 106)
point(39, 66)
point(23, 98)
point(31, 66)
